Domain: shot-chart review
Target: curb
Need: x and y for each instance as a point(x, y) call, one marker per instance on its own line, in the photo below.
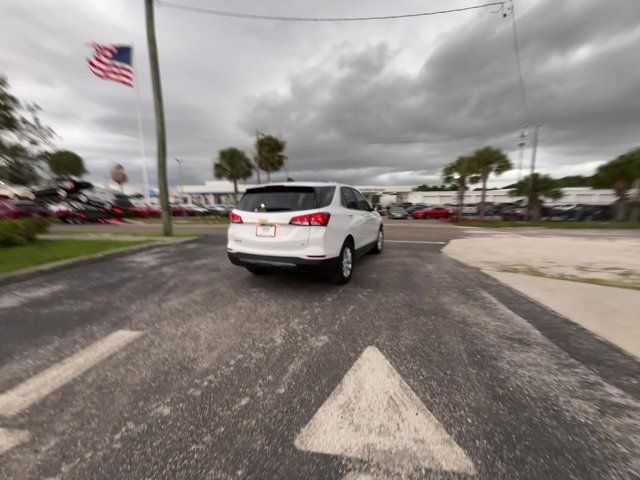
point(33, 272)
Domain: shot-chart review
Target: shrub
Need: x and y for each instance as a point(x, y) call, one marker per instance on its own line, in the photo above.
point(22, 231)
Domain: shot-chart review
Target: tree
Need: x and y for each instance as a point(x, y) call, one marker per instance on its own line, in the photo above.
point(24, 140)
point(64, 163)
point(489, 160)
point(574, 181)
point(621, 174)
point(233, 164)
point(461, 172)
point(436, 188)
point(119, 176)
point(269, 154)
point(542, 186)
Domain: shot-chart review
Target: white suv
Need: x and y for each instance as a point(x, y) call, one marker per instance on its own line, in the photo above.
point(303, 225)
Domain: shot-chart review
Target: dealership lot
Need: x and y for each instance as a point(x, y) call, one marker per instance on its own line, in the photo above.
point(173, 363)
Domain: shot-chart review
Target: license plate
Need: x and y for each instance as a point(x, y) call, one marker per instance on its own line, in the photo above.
point(265, 230)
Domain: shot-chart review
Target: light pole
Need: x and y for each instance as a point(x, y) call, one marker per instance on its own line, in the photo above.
point(180, 179)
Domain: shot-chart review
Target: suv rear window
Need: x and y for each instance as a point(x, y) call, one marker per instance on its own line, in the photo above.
point(285, 198)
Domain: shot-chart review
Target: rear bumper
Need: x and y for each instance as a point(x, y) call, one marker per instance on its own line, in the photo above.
point(248, 259)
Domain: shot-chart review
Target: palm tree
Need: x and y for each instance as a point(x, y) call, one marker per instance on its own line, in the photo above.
point(461, 172)
point(542, 186)
point(270, 156)
point(233, 164)
point(489, 160)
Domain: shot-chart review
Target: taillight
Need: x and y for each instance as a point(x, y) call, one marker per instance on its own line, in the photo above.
point(320, 219)
point(314, 219)
point(235, 218)
point(116, 210)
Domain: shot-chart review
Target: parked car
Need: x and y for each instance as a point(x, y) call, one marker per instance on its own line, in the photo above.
point(431, 212)
point(590, 213)
point(182, 210)
point(142, 209)
point(382, 210)
point(303, 225)
point(404, 205)
point(12, 209)
point(59, 188)
point(514, 213)
point(397, 212)
point(470, 209)
point(59, 209)
point(490, 208)
point(199, 209)
point(104, 198)
point(417, 206)
point(77, 212)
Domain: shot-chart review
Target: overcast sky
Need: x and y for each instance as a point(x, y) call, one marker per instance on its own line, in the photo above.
point(386, 102)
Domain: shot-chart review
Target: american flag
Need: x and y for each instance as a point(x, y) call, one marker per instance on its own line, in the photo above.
point(112, 62)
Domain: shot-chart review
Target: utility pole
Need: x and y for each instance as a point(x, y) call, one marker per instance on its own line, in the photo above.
point(258, 155)
point(521, 145)
point(180, 179)
point(167, 227)
point(534, 150)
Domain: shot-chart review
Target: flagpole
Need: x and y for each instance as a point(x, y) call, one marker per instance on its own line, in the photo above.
point(145, 176)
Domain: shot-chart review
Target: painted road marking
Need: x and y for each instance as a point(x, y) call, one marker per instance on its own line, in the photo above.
point(10, 438)
point(39, 386)
point(373, 415)
point(416, 241)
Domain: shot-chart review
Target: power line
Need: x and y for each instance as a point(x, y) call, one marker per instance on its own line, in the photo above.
point(253, 16)
point(516, 48)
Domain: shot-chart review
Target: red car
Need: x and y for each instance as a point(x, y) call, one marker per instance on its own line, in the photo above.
point(10, 209)
point(140, 209)
point(431, 212)
point(178, 210)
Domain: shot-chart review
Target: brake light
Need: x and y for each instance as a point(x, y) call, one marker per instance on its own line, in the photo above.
point(235, 218)
point(116, 210)
point(320, 219)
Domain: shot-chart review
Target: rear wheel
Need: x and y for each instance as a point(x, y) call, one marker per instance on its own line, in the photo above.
point(379, 243)
point(343, 269)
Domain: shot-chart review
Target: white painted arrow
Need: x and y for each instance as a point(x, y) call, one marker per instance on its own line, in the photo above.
point(374, 415)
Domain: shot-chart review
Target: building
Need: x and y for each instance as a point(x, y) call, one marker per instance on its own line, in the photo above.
point(221, 192)
point(584, 195)
point(211, 193)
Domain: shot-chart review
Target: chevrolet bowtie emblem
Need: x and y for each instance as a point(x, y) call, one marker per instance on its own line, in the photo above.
point(263, 220)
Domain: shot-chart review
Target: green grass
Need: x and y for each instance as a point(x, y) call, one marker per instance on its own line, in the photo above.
point(204, 220)
point(47, 251)
point(550, 224)
point(127, 234)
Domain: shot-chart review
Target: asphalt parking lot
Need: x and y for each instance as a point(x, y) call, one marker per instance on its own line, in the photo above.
point(173, 363)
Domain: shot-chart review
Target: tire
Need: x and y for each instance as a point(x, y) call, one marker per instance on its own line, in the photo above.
point(379, 243)
point(258, 270)
point(343, 270)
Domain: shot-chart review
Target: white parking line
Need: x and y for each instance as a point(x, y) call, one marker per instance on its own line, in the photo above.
point(10, 438)
point(39, 386)
point(416, 241)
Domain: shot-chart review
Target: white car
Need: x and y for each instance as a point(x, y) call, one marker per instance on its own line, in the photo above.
point(196, 208)
point(303, 225)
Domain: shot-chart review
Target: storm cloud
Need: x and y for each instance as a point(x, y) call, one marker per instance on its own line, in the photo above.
point(366, 103)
